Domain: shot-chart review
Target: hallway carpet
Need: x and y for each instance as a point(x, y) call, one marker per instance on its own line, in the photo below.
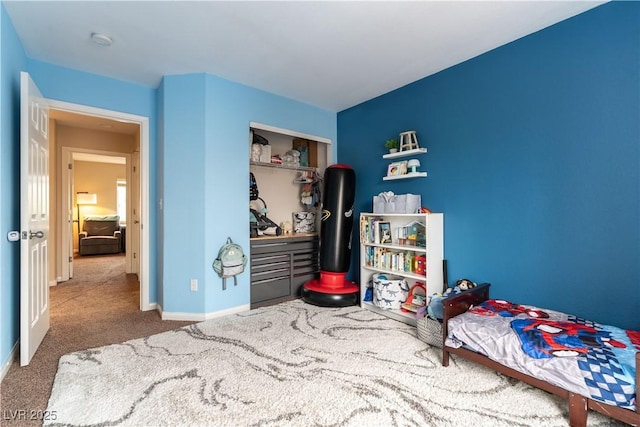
point(99, 306)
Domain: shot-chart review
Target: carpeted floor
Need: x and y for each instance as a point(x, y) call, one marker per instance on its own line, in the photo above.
point(99, 306)
point(292, 364)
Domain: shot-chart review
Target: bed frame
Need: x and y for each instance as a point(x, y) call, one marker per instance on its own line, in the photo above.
point(578, 405)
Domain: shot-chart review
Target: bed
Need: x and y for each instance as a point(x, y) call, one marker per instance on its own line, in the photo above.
point(593, 366)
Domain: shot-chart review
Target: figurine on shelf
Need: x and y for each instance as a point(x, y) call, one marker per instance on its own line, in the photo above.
point(420, 264)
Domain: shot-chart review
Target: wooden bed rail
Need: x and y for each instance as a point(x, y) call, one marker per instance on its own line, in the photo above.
point(458, 304)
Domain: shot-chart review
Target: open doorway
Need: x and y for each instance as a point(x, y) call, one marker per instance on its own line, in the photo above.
point(101, 201)
point(92, 139)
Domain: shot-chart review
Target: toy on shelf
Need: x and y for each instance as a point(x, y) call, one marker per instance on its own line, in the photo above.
point(417, 298)
point(413, 234)
point(420, 264)
point(408, 141)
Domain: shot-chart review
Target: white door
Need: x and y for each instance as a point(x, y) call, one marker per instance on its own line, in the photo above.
point(67, 223)
point(133, 226)
point(68, 215)
point(34, 218)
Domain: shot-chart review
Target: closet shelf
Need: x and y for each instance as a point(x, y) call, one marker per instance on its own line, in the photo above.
point(277, 166)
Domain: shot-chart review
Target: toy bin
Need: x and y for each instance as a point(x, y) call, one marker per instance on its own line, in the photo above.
point(430, 331)
point(389, 291)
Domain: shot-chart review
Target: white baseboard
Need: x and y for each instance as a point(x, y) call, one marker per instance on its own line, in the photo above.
point(228, 311)
point(151, 306)
point(7, 365)
point(53, 283)
point(199, 317)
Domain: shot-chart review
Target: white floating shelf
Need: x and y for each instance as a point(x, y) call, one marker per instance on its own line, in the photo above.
point(405, 153)
point(405, 176)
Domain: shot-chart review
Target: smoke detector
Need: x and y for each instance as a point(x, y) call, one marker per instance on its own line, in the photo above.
point(101, 39)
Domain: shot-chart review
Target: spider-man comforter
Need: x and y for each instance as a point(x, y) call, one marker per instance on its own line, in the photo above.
point(594, 360)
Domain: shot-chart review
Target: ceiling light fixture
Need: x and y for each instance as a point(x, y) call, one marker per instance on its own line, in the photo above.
point(101, 39)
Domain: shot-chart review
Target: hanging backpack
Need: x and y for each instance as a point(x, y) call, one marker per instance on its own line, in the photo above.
point(230, 262)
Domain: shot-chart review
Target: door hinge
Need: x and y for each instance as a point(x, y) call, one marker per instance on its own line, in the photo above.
point(134, 255)
point(70, 259)
point(70, 166)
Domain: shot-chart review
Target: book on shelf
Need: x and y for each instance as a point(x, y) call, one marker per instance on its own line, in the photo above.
point(383, 232)
point(388, 259)
point(369, 229)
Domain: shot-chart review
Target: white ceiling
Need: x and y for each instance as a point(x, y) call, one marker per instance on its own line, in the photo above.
point(331, 54)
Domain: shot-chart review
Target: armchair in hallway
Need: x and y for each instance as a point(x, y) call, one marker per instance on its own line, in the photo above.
point(101, 235)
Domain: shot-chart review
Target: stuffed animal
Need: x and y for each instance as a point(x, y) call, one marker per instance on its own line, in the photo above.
point(435, 310)
point(465, 284)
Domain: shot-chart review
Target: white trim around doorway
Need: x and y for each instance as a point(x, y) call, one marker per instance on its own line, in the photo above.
point(143, 122)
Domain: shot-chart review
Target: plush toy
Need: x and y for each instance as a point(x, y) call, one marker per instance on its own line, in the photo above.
point(435, 310)
point(465, 284)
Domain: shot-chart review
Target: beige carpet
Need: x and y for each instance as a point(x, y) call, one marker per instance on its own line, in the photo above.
point(99, 306)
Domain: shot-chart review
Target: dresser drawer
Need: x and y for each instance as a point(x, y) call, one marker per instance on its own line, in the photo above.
point(263, 290)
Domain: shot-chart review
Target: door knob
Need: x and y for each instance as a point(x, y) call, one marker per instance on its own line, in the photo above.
point(38, 234)
point(135, 221)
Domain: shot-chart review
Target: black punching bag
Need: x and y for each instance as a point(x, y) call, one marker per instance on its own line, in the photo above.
point(337, 218)
point(332, 289)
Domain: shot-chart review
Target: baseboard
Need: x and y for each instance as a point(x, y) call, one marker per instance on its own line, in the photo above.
point(185, 317)
point(200, 317)
point(221, 313)
point(7, 365)
point(53, 283)
point(152, 306)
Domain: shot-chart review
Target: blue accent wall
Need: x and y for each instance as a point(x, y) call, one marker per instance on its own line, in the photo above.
point(205, 165)
point(534, 159)
point(12, 61)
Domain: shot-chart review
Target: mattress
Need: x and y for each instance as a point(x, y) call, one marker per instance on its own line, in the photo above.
point(582, 356)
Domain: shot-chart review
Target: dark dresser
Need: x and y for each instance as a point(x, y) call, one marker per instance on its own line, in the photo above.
point(281, 265)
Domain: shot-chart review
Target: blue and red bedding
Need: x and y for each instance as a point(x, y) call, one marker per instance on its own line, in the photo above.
point(585, 357)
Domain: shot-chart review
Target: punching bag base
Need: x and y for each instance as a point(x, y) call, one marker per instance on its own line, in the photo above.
point(331, 290)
